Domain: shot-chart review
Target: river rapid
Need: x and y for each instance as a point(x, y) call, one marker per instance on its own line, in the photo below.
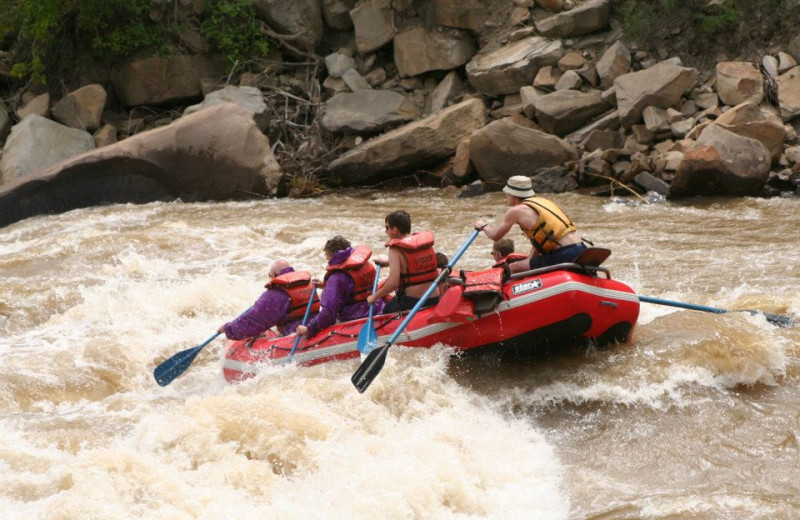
point(697, 418)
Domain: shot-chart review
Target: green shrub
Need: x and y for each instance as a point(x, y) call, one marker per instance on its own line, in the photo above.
point(722, 21)
point(42, 30)
point(231, 25)
point(51, 36)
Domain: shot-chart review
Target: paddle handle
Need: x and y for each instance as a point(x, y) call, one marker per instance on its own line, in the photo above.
point(305, 319)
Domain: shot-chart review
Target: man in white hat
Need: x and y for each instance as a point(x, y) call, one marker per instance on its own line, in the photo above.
point(552, 234)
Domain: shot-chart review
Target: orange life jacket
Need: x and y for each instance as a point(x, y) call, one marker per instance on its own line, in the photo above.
point(477, 283)
point(417, 248)
point(297, 285)
point(510, 259)
point(359, 269)
point(553, 224)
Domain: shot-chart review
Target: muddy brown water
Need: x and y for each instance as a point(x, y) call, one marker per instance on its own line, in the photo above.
point(697, 418)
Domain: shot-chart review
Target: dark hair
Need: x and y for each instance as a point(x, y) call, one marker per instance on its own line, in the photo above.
point(504, 246)
point(336, 244)
point(441, 260)
point(399, 219)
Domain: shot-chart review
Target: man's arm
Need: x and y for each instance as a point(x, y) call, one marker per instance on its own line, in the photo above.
point(393, 281)
point(265, 313)
point(497, 232)
point(334, 297)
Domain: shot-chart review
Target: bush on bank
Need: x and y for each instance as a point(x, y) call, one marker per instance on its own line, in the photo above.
point(48, 37)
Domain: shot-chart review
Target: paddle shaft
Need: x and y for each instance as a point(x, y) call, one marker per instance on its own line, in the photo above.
point(776, 319)
point(367, 336)
point(372, 366)
point(305, 319)
point(374, 289)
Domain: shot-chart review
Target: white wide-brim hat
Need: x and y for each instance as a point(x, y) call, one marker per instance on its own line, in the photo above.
point(519, 186)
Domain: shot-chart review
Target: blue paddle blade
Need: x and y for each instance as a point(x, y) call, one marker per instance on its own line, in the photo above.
point(367, 338)
point(167, 371)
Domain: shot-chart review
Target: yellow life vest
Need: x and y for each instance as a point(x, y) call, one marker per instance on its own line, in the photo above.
point(553, 225)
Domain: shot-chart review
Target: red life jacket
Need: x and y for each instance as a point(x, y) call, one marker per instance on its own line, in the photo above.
point(510, 259)
point(359, 269)
point(297, 285)
point(417, 248)
point(478, 283)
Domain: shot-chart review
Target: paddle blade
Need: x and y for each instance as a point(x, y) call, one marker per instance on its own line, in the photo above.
point(167, 371)
point(370, 368)
point(780, 320)
point(367, 338)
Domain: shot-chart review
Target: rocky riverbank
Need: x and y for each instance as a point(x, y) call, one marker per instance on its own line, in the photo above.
point(365, 93)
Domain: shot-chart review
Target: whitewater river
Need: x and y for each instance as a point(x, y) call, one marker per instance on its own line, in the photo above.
point(697, 418)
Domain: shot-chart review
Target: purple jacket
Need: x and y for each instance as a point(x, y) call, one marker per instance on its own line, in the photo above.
point(269, 310)
point(337, 298)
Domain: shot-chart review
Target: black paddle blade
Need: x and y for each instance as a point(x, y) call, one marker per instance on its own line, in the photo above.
point(370, 368)
point(780, 320)
point(167, 371)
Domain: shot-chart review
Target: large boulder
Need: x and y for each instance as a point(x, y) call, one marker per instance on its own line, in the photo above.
point(36, 143)
point(661, 86)
point(503, 148)
point(157, 81)
point(336, 14)
point(513, 66)
point(465, 14)
point(563, 111)
point(367, 111)
point(615, 61)
point(250, 99)
point(587, 18)
point(722, 163)
point(419, 50)
point(373, 24)
point(415, 145)
point(214, 154)
point(739, 82)
point(789, 93)
point(750, 120)
point(82, 108)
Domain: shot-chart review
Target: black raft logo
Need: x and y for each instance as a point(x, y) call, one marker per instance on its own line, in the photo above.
point(528, 286)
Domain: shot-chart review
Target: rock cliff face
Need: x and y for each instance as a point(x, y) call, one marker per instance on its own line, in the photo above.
point(370, 90)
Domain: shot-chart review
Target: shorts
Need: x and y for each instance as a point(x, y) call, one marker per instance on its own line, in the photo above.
point(559, 256)
point(402, 302)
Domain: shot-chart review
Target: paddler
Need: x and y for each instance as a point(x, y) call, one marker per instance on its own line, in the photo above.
point(349, 278)
point(412, 265)
point(282, 305)
point(551, 232)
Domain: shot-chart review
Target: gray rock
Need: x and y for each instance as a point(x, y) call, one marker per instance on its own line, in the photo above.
point(411, 146)
point(214, 154)
point(513, 66)
point(36, 143)
point(502, 149)
point(367, 111)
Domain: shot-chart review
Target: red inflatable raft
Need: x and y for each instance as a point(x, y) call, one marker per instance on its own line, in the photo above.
point(478, 311)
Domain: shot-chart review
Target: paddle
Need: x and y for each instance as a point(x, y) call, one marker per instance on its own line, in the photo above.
point(167, 371)
point(372, 366)
point(775, 319)
point(368, 336)
point(305, 319)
